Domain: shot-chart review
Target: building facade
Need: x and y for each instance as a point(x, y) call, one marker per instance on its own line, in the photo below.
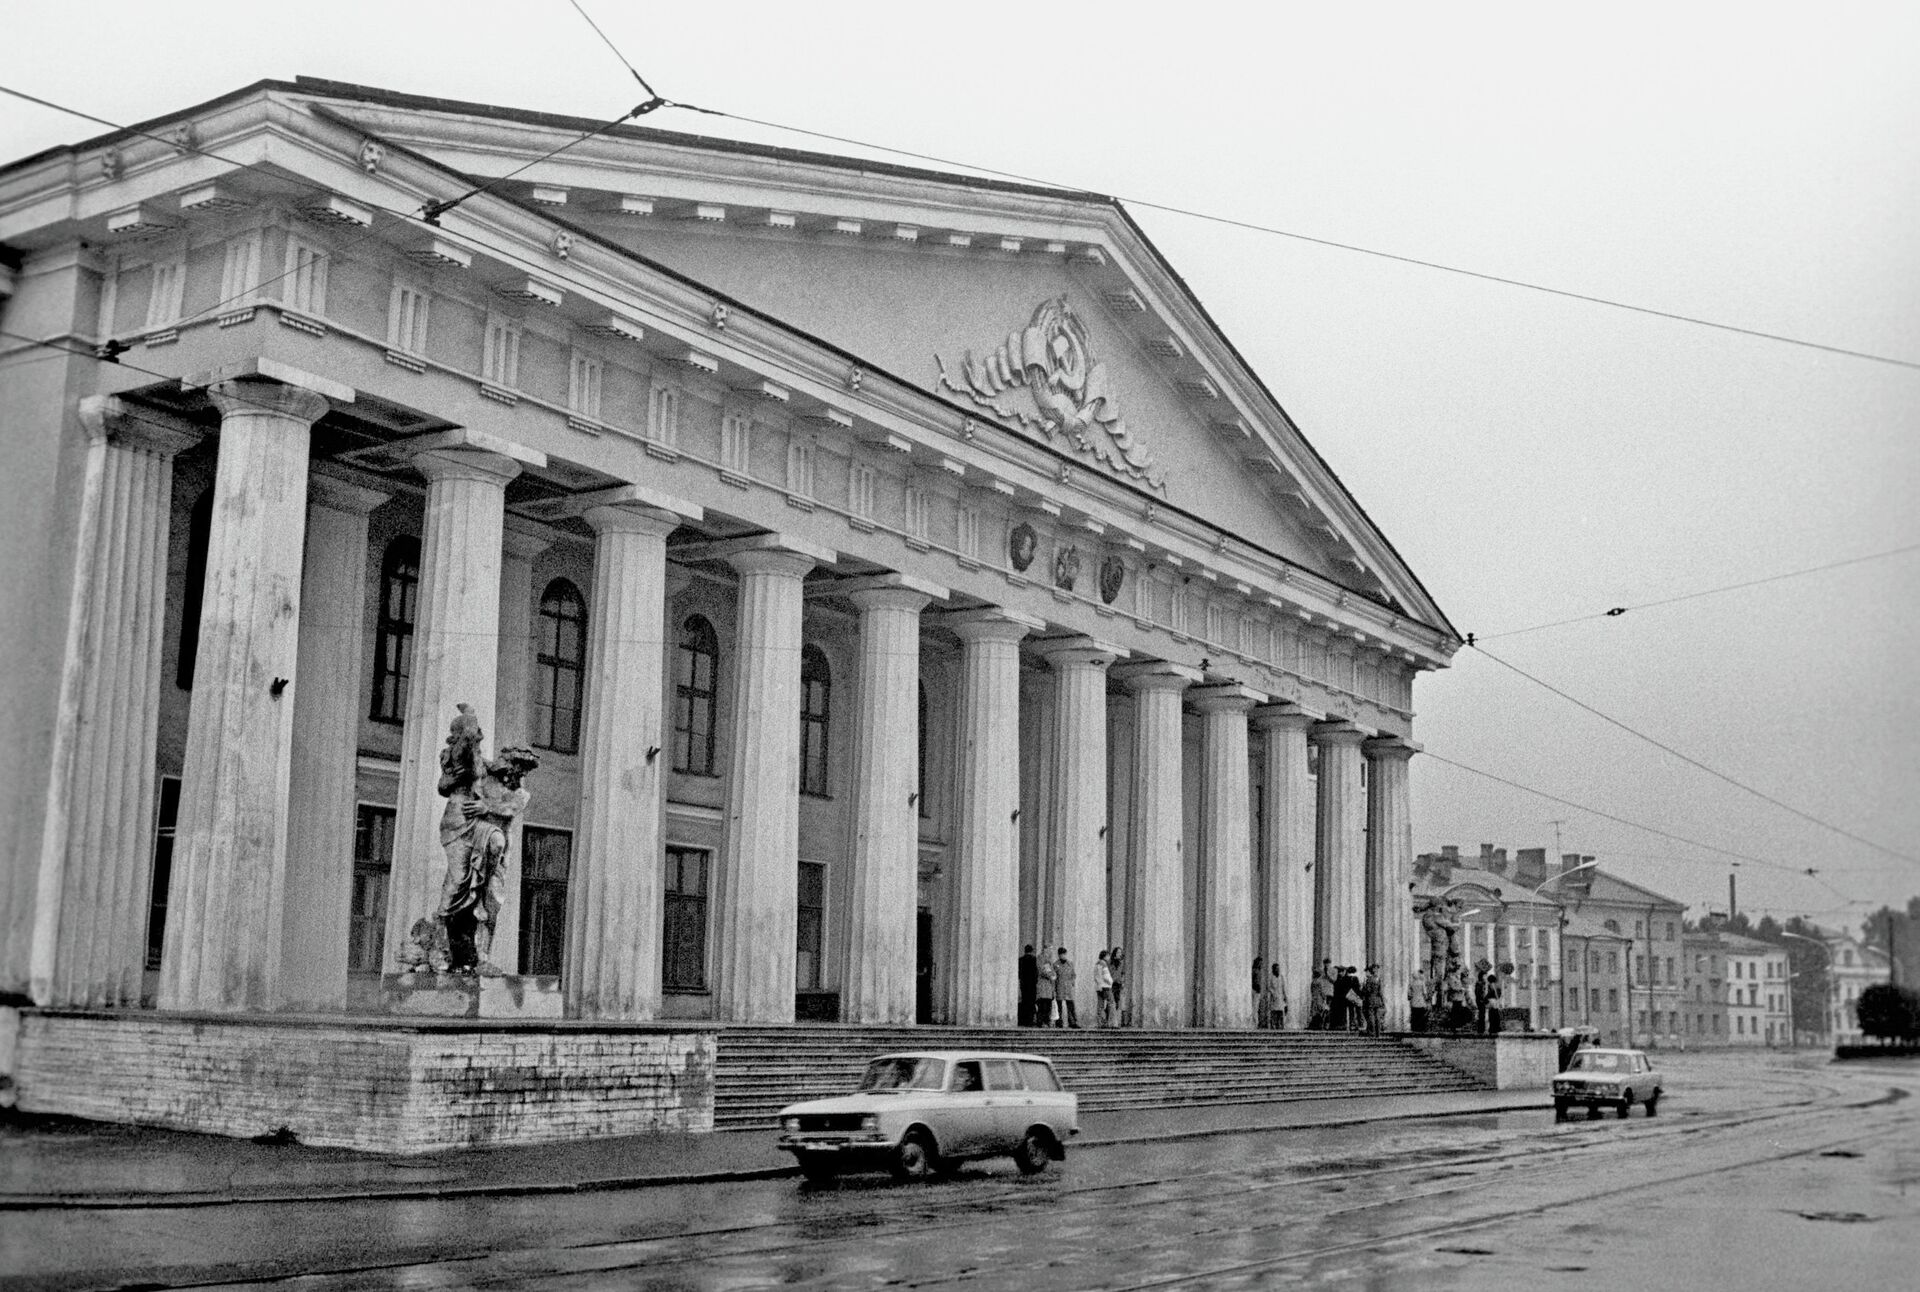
point(887, 568)
point(1852, 967)
point(1737, 991)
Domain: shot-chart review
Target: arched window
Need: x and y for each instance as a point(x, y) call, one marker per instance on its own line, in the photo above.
point(696, 671)
point(816, 700)
point(393, 641)
point(560, 668)
point(199, 534)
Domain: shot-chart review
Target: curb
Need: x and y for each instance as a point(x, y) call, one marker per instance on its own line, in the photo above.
point(402, 1193)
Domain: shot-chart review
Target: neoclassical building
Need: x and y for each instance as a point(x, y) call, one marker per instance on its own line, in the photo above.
point(889, 569)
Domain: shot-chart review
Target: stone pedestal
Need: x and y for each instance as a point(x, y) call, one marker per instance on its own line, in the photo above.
point(1285, 891)
point(882, 896)
point(326, 726)
point(1339, 866)
point(758, 882)
point(984, 870)
point(1223, 995)
point(89, 943)
point(1390, 926)
point(225, 902)
point(1154, 986)
point(456, 660)
point(1075, 870)
point(614, 891)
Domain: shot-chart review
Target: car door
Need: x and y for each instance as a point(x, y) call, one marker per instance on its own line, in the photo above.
point(965, 1122)
point(1008, 1103)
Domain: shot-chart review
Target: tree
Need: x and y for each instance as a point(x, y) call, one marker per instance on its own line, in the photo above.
point(1889, 1013)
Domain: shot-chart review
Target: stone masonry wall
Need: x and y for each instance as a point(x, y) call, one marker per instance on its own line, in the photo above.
point(378, 1087)
point(1520, 1061)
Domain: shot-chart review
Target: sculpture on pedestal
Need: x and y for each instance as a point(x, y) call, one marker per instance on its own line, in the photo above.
point(483, 799)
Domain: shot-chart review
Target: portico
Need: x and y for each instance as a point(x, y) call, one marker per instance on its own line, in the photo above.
point(821, 663)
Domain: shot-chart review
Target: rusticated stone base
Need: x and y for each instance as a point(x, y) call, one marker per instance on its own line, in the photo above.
point(381, 1085)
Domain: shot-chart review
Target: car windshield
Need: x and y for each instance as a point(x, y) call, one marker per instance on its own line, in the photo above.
point(1598, 1061)
point(904, 1073)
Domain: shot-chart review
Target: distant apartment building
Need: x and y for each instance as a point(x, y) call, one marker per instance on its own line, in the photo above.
point(1595, 978)
point(1852, 967)
point(1652, 924)
point(1737, 991)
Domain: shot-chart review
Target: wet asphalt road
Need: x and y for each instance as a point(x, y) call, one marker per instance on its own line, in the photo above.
point(1760, 1172)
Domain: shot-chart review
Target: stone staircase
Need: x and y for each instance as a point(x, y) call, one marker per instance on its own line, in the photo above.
point(761, 1069)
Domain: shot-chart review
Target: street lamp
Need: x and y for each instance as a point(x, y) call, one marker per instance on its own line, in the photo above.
point(1825, 1005)
point(1533, 982)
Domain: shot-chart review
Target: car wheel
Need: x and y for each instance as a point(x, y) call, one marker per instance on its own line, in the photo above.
point(1032, 1155)
point(817, 1166)
point(1626, 1105)
point(1560, 1109)
point(1653, 1104)
point(915, 1158)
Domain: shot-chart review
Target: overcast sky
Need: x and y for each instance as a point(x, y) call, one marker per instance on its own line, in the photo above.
point(1533, 458)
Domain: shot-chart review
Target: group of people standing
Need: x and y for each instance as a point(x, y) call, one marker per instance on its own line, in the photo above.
point(1342, 1001)
point(1047, 989)
point(1454, 1004)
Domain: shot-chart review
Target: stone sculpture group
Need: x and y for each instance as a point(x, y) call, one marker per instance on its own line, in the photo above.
point(483, 799)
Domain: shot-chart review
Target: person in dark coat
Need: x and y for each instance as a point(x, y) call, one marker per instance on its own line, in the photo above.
point(1373, 999)
point(1029, 985)
point(1346, 993)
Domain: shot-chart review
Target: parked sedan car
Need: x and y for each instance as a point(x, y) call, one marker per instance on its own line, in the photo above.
point(914, 1114)
point(1615, 1079)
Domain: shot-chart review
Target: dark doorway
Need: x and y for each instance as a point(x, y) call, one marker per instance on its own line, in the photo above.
point(923, 967)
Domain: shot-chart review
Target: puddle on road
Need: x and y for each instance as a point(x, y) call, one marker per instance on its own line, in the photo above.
point(1838, 1217)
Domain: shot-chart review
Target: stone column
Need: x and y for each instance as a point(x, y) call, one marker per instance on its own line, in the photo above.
point(1391, 932)
point(1155, 984)
point(984, 864)
point(225, 899)
point(520, 542)
point(883, 889)
point(1339, 859)
point(326, 727)
point(1075, 889)
point(89, 943)
point(456, 660)
point(1286, 852)
point(758, 883)
point(1224, 996)
point(614, 897)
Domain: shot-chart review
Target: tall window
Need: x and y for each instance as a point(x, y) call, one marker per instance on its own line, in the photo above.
point(696, 669)
point(560, 667)
point(920, 785)
point(372, 865)
point(199, 535)
point(163, 833)
point(683, 942)
point(816, 698)
point(545, 858)
point(811, 925)
point(393, 641)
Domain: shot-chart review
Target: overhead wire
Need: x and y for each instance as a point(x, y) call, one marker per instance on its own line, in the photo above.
point(1616, 611)
point(1336, 244)
point(1691, 761)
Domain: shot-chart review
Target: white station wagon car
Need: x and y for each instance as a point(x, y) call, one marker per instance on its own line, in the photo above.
point(1608, 1078)
point(914, 1114)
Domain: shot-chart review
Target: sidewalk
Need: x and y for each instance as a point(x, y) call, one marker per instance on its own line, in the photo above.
point(69, 1163)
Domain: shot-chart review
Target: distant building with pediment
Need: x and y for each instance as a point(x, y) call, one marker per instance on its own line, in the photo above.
point(887, 568)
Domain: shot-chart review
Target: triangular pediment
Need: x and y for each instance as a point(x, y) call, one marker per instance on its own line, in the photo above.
point(1043, 311)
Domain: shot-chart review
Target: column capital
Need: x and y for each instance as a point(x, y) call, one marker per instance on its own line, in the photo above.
point(236, 398)
point(889, 596)
point(771, 552)
point(337, 493)
point(637, 498)
point(1386, 748)
point(1335, 733)
point(1228, 698)
point(631, 520)
point(113, 419)
point(891, 582)
point(1066, 652)
point(991, 624)
point(1284, 716)
point(1155, 675)
point(466, 464)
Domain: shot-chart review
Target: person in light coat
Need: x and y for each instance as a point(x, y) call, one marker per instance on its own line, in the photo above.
point(1067, 1014)
point(1103, 991)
